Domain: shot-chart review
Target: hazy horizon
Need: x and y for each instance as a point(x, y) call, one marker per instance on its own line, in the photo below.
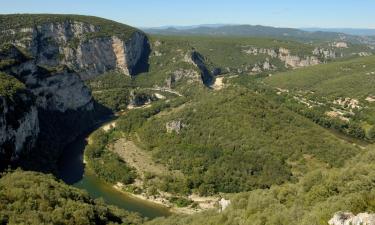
point(318, 14)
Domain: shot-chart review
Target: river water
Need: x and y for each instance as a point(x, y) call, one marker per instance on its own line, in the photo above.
point(72, 171)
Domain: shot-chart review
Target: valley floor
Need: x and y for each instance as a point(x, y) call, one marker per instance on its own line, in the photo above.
point(143, 163)
point(134, 156)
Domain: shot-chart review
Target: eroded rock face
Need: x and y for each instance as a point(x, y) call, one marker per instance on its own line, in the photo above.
point(288, 58)
point(189, 74)
point(296, 61)
point(19, 126)
point(69, 43)
point(56, 108)
point(174, 126)
point(57, 91)
point(199, 61)
point(347, 218)
point(55, 59)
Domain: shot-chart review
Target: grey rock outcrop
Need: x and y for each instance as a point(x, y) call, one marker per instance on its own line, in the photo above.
point(19, 126)
point(324, 53)
point(347, 218)
point(56, 109)
point(189, 74)
point(296, 61)
point(52, 59)
point(174, 126)
point(68, 43)
point(288, 58)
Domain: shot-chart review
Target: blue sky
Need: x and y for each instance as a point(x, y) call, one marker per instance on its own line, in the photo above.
point(147, 13)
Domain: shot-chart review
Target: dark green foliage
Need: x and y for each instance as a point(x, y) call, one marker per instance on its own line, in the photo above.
point(311, 201)
point(34, 198)
point(9, 85)
point(112, 90)
point(136, 118)
point(6, 63)
point(371, 133)
point(116, 99)
point(233, 141)
point(107, 165)
point(180, 202)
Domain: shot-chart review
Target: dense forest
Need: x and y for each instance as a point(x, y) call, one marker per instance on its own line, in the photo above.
point(35, 198)
point(232, 141)
point(104, 163)
point(311, 201)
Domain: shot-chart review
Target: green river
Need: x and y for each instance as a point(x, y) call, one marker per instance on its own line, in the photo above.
point(72, 171)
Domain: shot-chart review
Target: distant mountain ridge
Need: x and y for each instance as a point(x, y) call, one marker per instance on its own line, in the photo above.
point(350, 31)
point(264, 31)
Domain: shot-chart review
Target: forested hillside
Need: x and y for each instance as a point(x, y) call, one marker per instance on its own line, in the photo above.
point(340, 95)
point(232, 141)
point(34, 198)
point(311, 201)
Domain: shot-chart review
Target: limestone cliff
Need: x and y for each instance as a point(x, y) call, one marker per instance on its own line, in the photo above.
point(199, 61)
point(82, 46)
point(19, 126)
point(55, 107)
point(290, 60)
point(52, 55)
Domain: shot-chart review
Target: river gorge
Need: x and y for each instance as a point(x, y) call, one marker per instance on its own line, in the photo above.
point(72, 170)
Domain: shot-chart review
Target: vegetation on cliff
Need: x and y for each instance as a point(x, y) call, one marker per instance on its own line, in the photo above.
point(9, 85)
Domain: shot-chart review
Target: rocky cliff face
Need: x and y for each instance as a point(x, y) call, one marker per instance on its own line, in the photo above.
point(289, 59)
point(19, 126)
point(57, 107)
point(52, 60)
point(199, 61)
point(77, 45)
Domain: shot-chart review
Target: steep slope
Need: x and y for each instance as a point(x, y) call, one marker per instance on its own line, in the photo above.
point(59, 107)
point(52, 55)
point(34, 198)
point(232, 141)
point(180, 62)
point(19, 124)
point(88, 45)
point(339, 95)
point(312, 201)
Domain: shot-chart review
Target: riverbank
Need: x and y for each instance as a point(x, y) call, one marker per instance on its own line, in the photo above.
point(204, 203)
point(142, 162)
point(74, 170)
